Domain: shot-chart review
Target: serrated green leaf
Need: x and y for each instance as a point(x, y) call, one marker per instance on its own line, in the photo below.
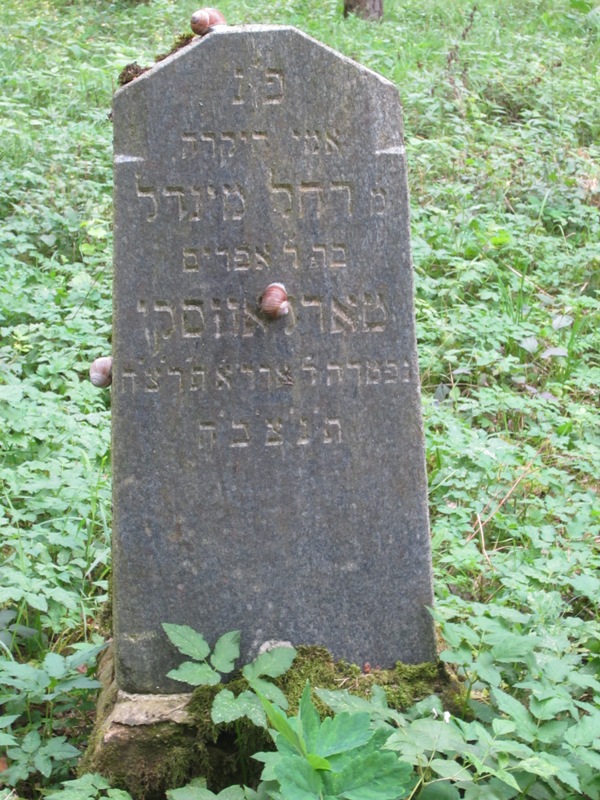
point(492, 790)
point(85, 655)
point(279, 721)
point(27, 672)
point(195, 791)
point(538, 765)
point(269, 760)
point(43, 763)
point(227, 708)
point(584, 732)
point(298, 780)
point(91, 780)
point(342, 700)
point(37, 601)
point(80, 682)
point(190, 793)
point(31, 742)
point(546, 764)
point(12, 394)
point(84, 788)
point(273, 663)
point(118, 794)
point(195, 674)
point(507, 778)
point(526, 725)
point(308, 719)
point(60, 749)
point(448, 769)
point(187, 640)
point(552, 732)
point(373, 776)
point(503, 726)
point(232, 793)
point(511, 647)
point(317, 762)
point(342, 733)
point(271, 692)
point(439, 791)
point(486, 669)
point(7, 720)
point(226, 652)
point(589, 757)
point(549, 708)
point(428, 735)
point(55, 665)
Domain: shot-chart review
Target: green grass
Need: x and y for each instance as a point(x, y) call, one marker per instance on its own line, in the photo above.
point(502, 126)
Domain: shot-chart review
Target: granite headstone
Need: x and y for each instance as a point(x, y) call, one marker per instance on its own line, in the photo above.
point(269, 475)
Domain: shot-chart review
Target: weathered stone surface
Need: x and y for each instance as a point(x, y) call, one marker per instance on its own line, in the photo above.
point(268, 475)
point(149, 709)
point(145, 744)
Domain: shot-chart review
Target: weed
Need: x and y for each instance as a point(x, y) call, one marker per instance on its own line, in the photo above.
point(503, 150)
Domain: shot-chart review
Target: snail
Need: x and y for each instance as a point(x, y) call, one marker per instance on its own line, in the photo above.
point(206, 18)
point(101, 372)
point(274, 301)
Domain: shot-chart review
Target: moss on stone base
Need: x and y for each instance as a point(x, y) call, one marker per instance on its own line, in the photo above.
point(404, 684)
point(146, 760)
point(160, 742)
point(140, 744)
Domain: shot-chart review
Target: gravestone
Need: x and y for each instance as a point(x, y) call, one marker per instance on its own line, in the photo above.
point(268, 473)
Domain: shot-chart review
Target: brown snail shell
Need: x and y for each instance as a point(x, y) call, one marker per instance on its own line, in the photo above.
point(274, 301)
point(205, 18)
point(101, 372)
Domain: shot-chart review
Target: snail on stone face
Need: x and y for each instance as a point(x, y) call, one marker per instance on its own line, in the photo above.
point(101, 372)
point(274, 301)
point(206, 18)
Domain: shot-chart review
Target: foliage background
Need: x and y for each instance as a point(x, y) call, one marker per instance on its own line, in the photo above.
point(502, 125)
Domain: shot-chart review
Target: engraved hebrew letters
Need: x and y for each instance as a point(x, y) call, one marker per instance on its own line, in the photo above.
point(259, 462)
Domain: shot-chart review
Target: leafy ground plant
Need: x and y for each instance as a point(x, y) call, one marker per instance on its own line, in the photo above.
point(88, 787)
point(503, 148)
point(338, 757)
point(205, 670)
point(40, 700)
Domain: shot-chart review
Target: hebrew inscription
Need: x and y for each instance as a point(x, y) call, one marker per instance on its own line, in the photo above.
point(266, 257)
point(293, 430)
point(154, 375)
point(288, 198)
point(311, 202)
point(218, 317)
point(259, 461)
point(258, 86)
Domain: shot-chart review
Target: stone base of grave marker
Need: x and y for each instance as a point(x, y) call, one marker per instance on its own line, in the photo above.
point(148, 743)
point(269, 475)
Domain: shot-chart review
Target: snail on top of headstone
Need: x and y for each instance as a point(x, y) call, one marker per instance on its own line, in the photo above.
point(205, 19)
